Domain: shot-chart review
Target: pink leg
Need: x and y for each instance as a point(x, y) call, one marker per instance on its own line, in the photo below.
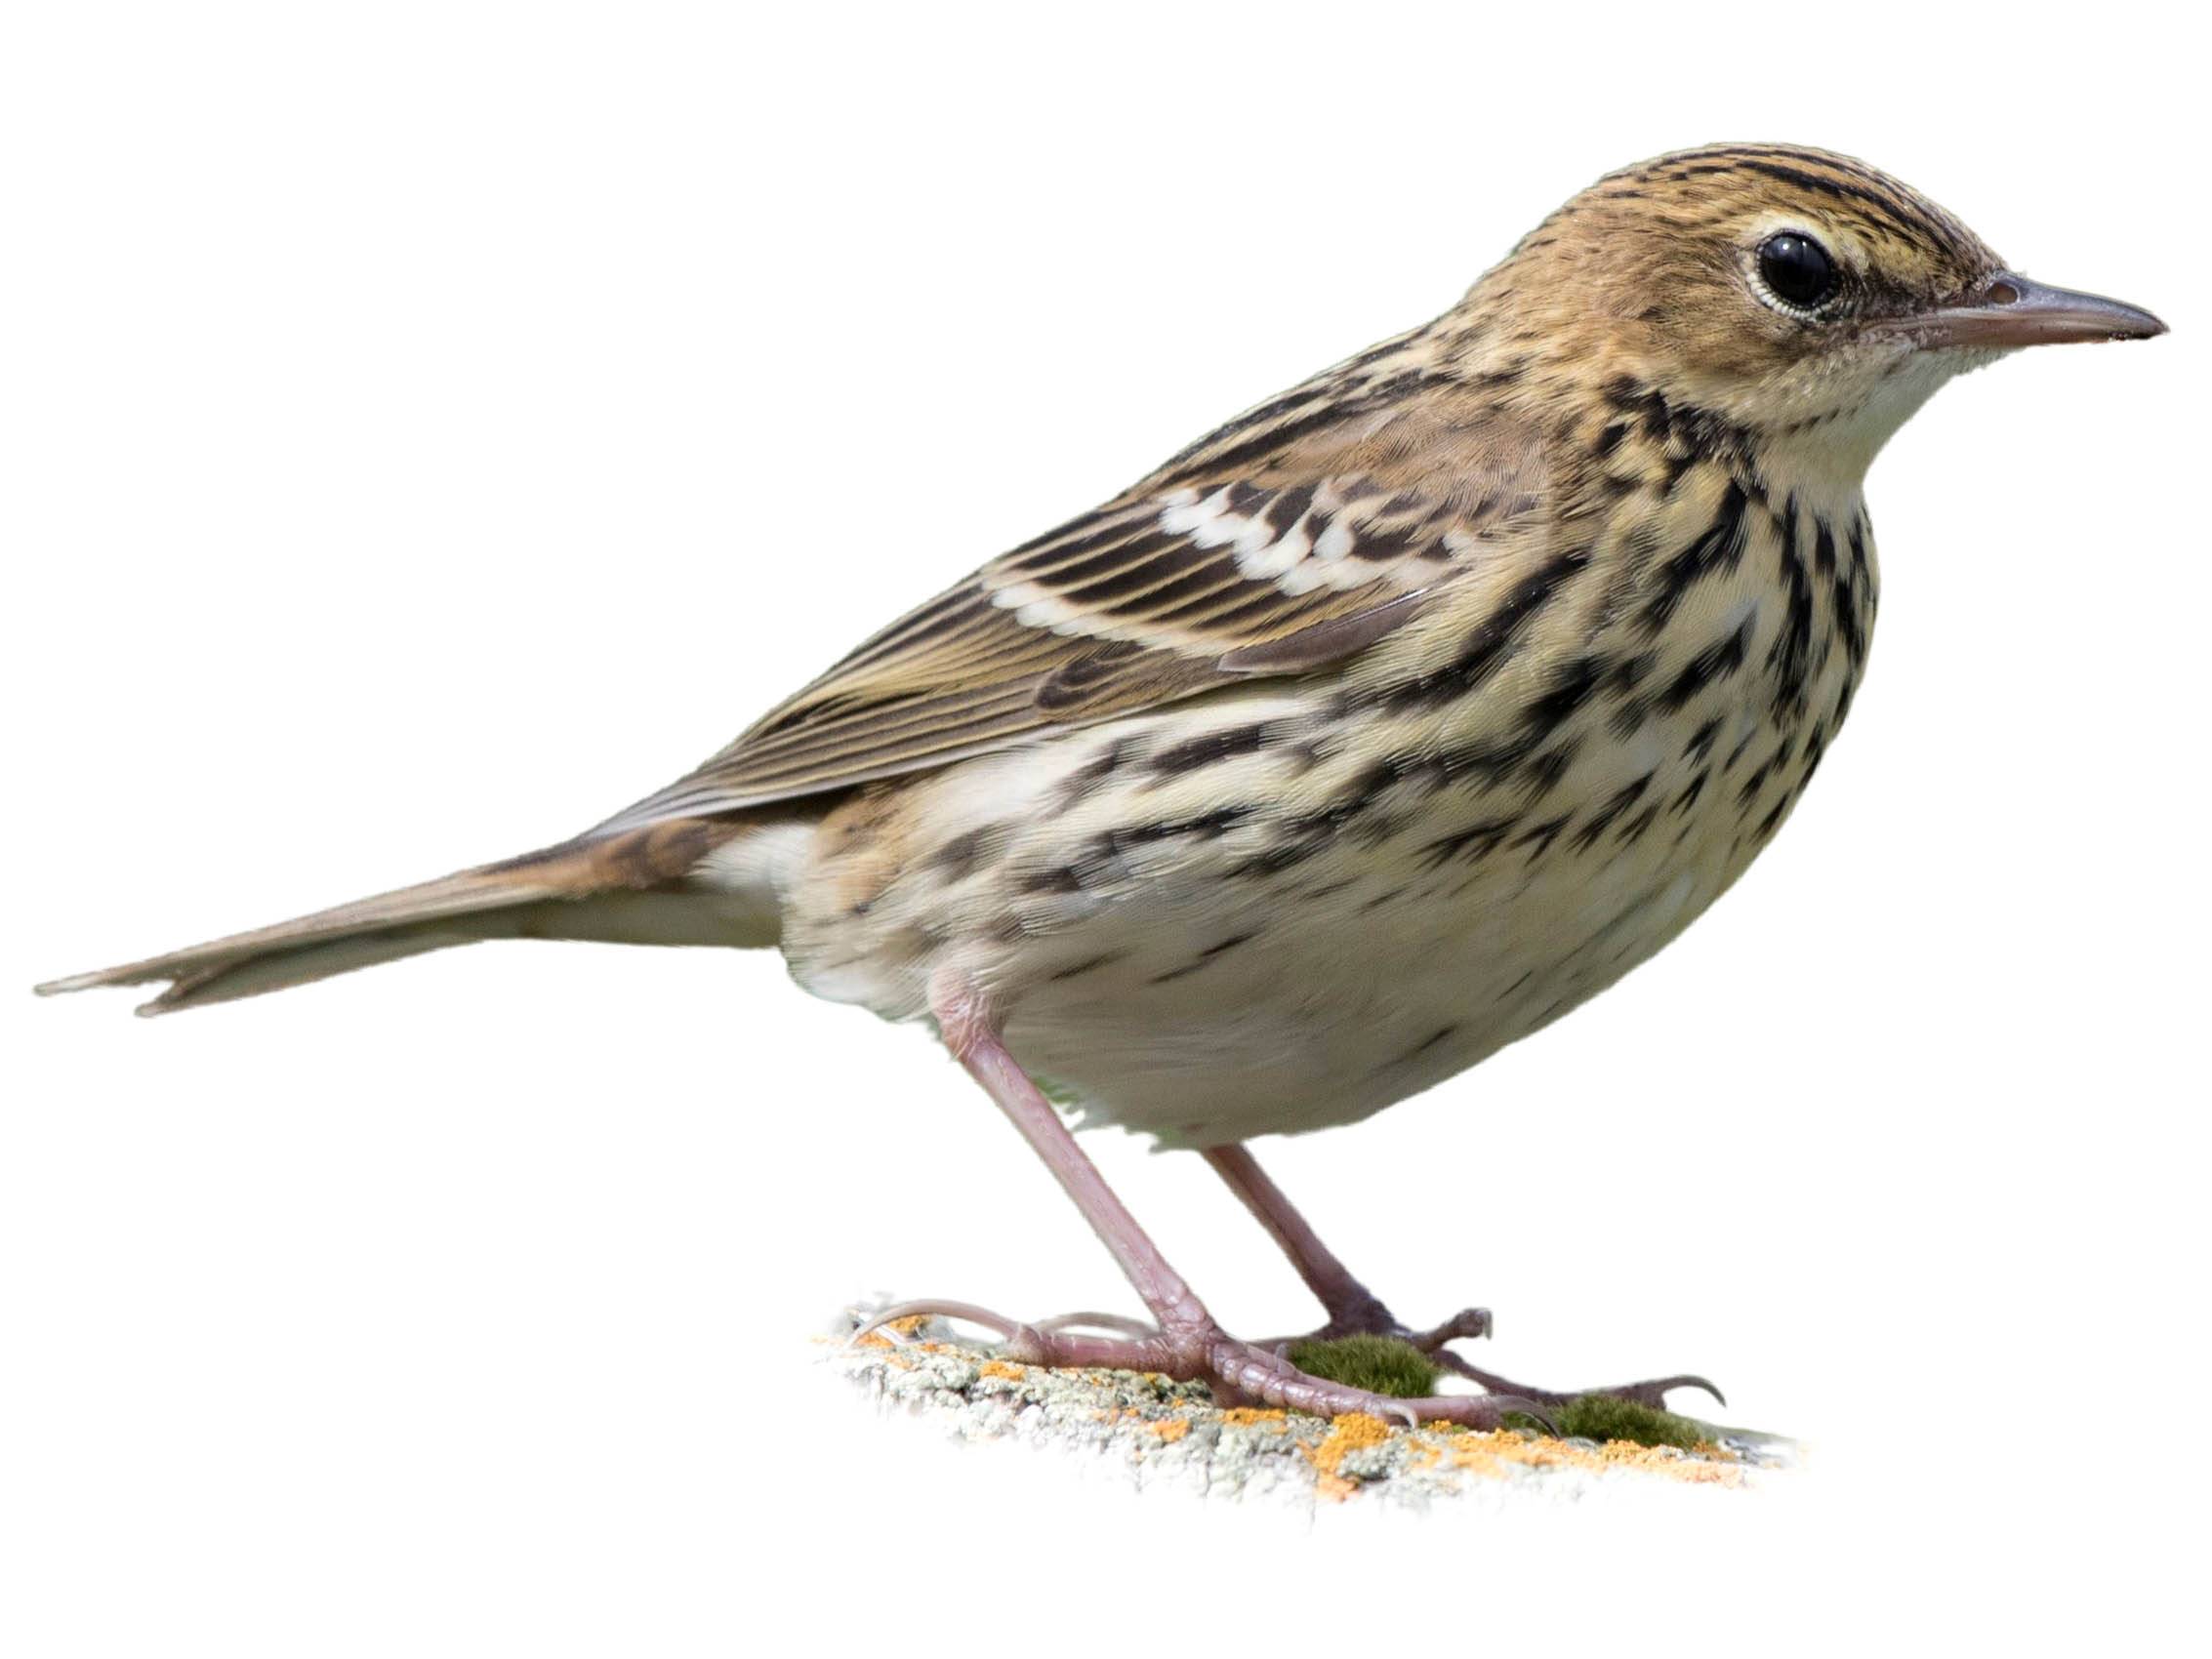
point(1355, 1310)
point(977, 1047)
point(1352, 1308)
point(1188, 1343)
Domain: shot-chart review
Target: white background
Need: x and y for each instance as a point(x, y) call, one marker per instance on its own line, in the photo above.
point(429, 427)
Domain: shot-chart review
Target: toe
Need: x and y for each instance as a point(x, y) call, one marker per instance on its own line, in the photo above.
point(1653, 1392)
point(1098, 1322)
point(997, 1323)
point(1468, 1323)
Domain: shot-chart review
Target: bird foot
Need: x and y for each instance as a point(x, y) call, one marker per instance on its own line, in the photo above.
point(1371, 1318)
point(1652, 1393)
point(1241, 1373)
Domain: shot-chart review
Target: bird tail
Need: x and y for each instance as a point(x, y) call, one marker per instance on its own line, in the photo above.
point(633, 887)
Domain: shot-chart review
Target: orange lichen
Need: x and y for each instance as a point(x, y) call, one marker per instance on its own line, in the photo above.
point(1346, 1434)
point(886, 1334)
point(1253, 1416)
point(1491, 1454)
point(1326, 1446)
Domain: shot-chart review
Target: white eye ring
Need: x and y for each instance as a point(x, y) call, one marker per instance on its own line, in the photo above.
point(1796, 272)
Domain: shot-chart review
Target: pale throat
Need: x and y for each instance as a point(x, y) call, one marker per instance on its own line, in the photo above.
point(1826, 457)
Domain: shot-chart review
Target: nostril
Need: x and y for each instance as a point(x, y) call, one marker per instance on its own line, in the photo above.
point(2002, 292)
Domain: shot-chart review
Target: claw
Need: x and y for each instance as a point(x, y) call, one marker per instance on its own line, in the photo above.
point(998, 1324)
point(1517, 1405)
point(1653, 1393)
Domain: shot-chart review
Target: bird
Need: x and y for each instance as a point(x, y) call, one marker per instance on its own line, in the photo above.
point(1374, 730)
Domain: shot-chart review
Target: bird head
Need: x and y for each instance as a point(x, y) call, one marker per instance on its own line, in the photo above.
point(1801, 296)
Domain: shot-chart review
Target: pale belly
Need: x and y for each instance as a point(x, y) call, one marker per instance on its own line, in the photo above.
point(1284, 1012)
point(1271, 934)
point(1287, 906)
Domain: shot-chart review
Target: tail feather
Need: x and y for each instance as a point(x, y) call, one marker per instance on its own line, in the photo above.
point(626, 887)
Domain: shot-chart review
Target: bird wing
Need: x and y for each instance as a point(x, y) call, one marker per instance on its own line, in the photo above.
point(1251, 555)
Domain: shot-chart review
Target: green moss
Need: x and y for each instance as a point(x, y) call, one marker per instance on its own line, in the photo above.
point(1602, 1417)
point(1385, 1365)
point(1380, 1365)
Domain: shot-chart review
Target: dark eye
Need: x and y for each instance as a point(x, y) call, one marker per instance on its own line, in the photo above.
point(1797, 269)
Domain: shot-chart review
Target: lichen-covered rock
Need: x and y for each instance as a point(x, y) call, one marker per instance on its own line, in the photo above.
point(1164, 1432)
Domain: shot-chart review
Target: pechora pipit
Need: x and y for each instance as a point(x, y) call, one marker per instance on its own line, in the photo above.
point(1377, 728)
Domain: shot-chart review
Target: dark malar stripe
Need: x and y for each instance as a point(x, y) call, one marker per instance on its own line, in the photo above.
point(1704, 433)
